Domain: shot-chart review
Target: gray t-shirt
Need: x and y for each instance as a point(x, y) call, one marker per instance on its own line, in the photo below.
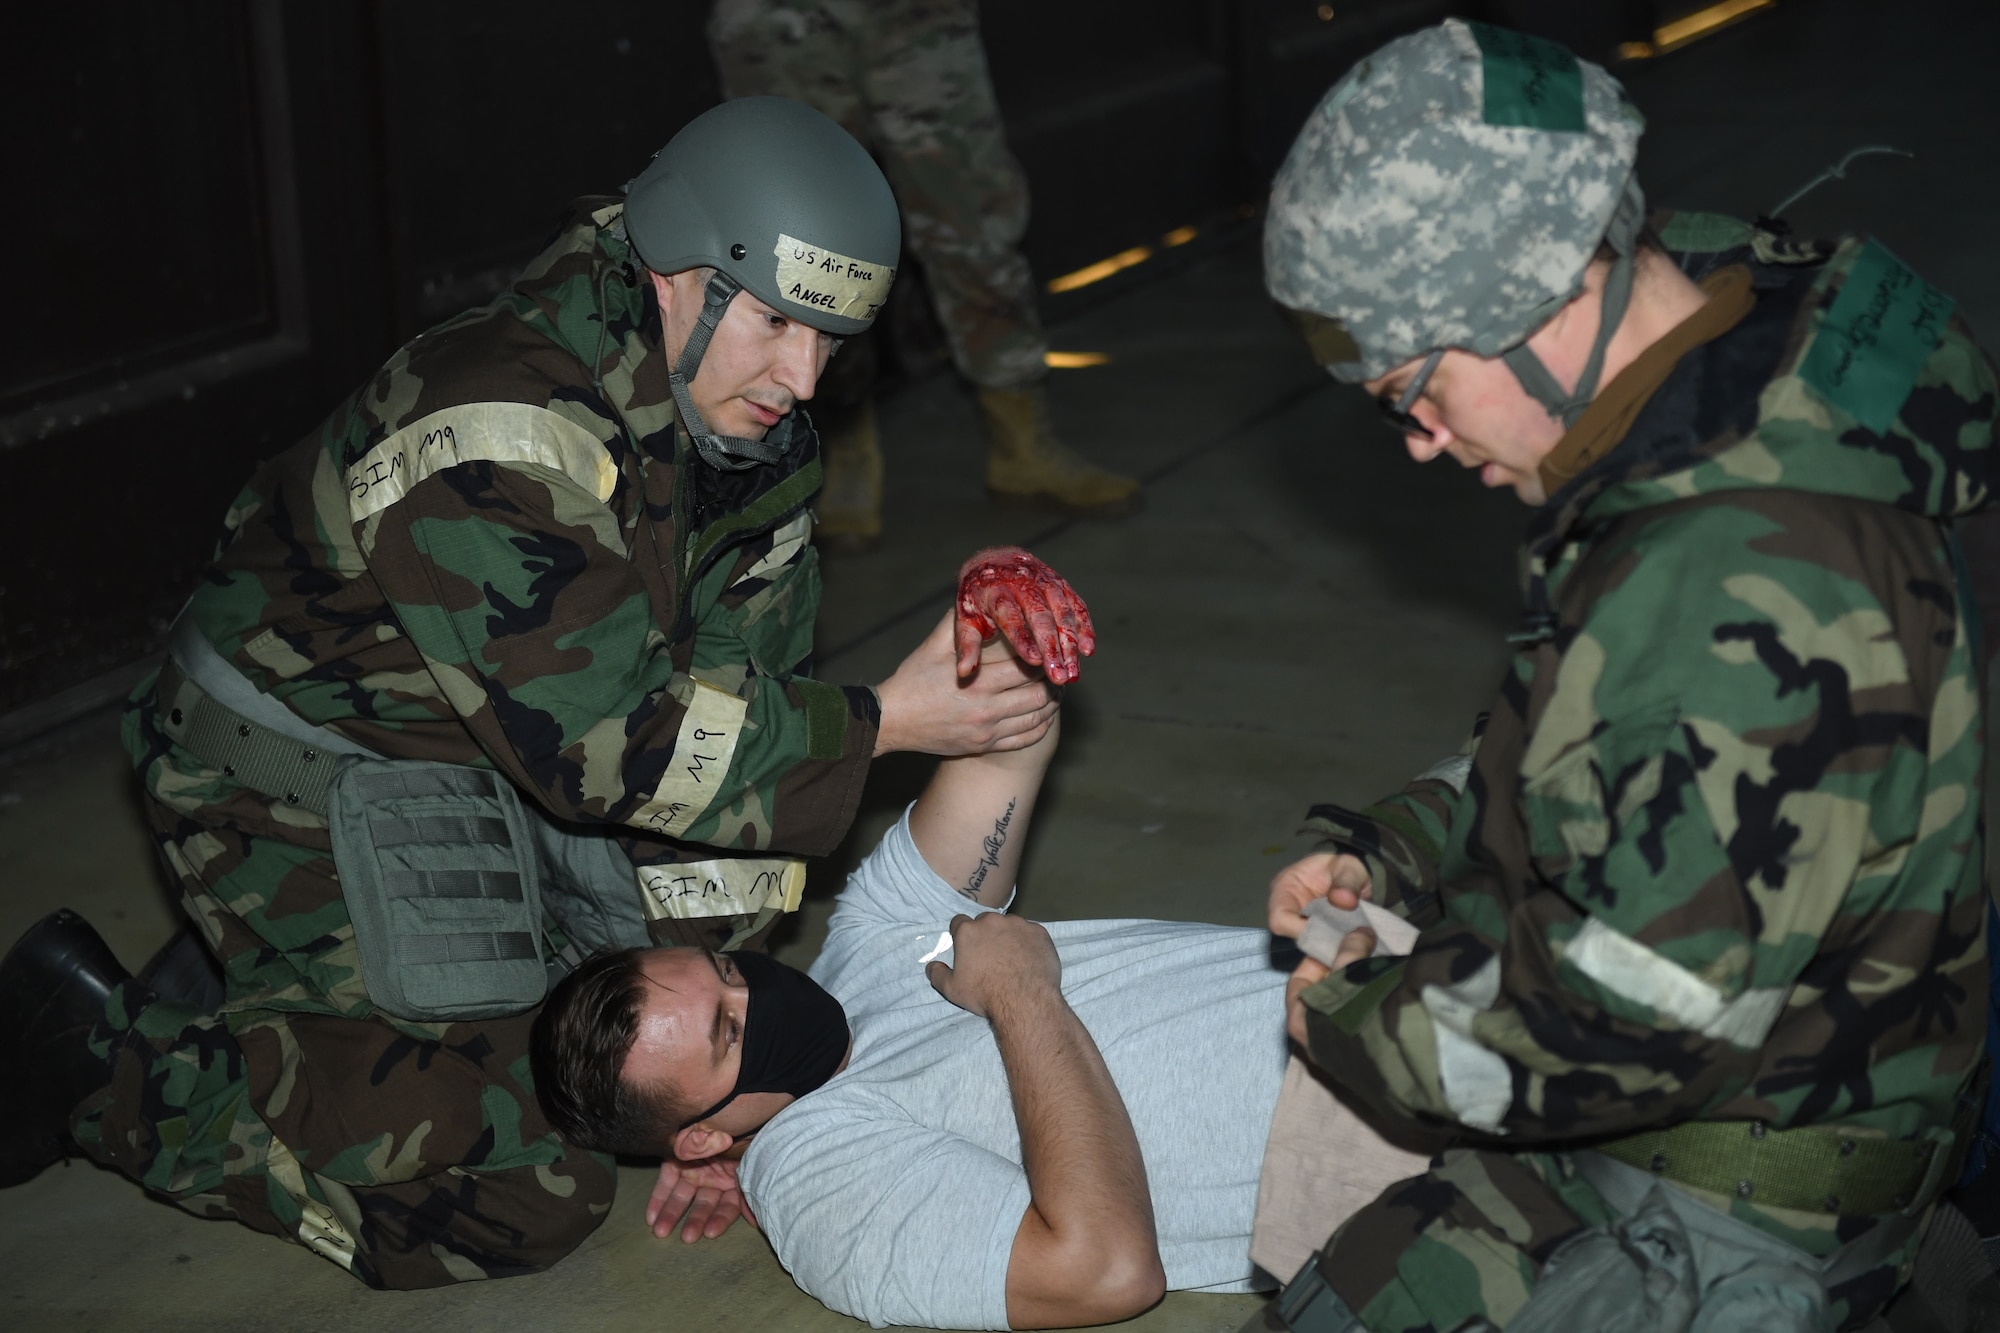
point(893, 1193)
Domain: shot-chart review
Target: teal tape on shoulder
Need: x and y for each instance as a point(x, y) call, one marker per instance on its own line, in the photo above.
point(1530, 83)
point(1874, 342)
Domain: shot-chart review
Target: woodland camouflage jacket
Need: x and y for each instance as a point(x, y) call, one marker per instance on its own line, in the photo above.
point(502, 552)
point(1718, 851)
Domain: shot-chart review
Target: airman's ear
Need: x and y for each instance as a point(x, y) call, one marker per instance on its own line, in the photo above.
point(700, 1140)
point(663, 289)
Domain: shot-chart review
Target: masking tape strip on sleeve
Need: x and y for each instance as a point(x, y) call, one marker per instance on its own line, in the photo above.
point(1634, 972)
point(477, 432)
point(727, 886)
point(320, 1227)
point(702, 754)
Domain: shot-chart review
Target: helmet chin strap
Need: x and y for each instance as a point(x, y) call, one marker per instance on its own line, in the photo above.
point(731, 453)
point(1540, 385)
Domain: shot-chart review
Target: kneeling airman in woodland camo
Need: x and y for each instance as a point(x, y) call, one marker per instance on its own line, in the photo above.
point(508, 661)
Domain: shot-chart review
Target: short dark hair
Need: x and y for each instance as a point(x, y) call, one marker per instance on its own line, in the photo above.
point(577, 1052)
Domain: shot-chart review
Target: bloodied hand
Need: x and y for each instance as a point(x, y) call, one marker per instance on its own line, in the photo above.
point(1004, 590)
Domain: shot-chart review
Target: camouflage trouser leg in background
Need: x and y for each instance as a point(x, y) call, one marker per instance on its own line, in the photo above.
point(909, 79)
point(411, 1154)
point(1465, 1240)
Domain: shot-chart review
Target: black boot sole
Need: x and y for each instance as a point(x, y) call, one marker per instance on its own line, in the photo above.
point(53, 986)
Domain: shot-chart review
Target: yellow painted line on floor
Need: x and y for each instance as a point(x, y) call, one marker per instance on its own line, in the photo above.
point(1673, 36)
point(1102, 269)
point(1074, 360)
point(1118, 263)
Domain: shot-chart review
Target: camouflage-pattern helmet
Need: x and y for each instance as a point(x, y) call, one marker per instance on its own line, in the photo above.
point(1450, 191)
point(780, 198)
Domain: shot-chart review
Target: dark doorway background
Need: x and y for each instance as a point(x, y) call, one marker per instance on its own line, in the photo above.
point(227, 213)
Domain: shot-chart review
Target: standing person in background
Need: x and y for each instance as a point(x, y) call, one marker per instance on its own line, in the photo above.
point(908, 78)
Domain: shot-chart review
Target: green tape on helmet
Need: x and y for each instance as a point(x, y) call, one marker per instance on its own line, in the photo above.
point(1529, 82)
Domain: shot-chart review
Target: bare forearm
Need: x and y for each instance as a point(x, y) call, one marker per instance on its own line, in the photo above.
point(1086, 1252)
point(972, 820)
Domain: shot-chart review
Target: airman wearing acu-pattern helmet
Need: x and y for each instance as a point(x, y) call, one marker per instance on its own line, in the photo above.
point(1700, 984)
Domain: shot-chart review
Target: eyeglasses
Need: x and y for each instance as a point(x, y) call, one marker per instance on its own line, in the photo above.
point(1398, 412)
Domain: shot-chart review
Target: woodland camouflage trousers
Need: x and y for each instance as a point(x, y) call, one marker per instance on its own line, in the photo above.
point(410, 1154)
point(1459, 1248)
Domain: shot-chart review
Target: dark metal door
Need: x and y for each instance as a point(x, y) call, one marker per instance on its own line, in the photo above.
point(226, 214)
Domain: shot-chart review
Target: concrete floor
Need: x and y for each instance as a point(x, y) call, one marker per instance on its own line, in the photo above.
point(1299, 614)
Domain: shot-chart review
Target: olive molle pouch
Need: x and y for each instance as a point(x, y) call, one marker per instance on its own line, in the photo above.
point(439, 868)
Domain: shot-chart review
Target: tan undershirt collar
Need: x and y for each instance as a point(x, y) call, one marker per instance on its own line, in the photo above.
point(1610, 414)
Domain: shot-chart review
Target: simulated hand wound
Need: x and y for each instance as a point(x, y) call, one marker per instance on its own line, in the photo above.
point(1004, 590)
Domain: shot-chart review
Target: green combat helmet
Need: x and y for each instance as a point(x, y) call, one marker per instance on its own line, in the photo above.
point(1449, 192)
point(782, 203)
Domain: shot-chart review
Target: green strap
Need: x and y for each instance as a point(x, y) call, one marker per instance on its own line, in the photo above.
point(409, 784)
point(469, 947)
point(1811, 1169)
point(496, 885)
point(422, 830)
point(1359, 1007)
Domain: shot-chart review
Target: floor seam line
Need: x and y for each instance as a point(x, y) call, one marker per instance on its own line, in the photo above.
point(1062, 525)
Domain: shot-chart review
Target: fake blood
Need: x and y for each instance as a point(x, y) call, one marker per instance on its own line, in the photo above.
point(1007, 591)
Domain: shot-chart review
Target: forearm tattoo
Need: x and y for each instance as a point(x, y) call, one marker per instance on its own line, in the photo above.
point(989, 855)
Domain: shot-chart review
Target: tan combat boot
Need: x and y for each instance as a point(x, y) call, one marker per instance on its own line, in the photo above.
point(850, 504)
point(1026, 465)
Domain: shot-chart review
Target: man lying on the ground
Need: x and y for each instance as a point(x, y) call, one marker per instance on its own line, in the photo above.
point(979, 1122)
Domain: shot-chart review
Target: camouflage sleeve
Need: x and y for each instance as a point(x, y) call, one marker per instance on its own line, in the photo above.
point(1400, 838)
point(518, 586)
point(1697, 805)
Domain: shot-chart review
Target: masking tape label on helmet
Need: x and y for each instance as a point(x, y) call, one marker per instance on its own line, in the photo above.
point(727, 886)
point(833, 284)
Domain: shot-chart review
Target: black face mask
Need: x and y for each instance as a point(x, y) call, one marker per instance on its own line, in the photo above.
point(794, 1034)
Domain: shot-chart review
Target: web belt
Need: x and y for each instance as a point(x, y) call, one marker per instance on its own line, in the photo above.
point(1810, 1169)
point(208, 709)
